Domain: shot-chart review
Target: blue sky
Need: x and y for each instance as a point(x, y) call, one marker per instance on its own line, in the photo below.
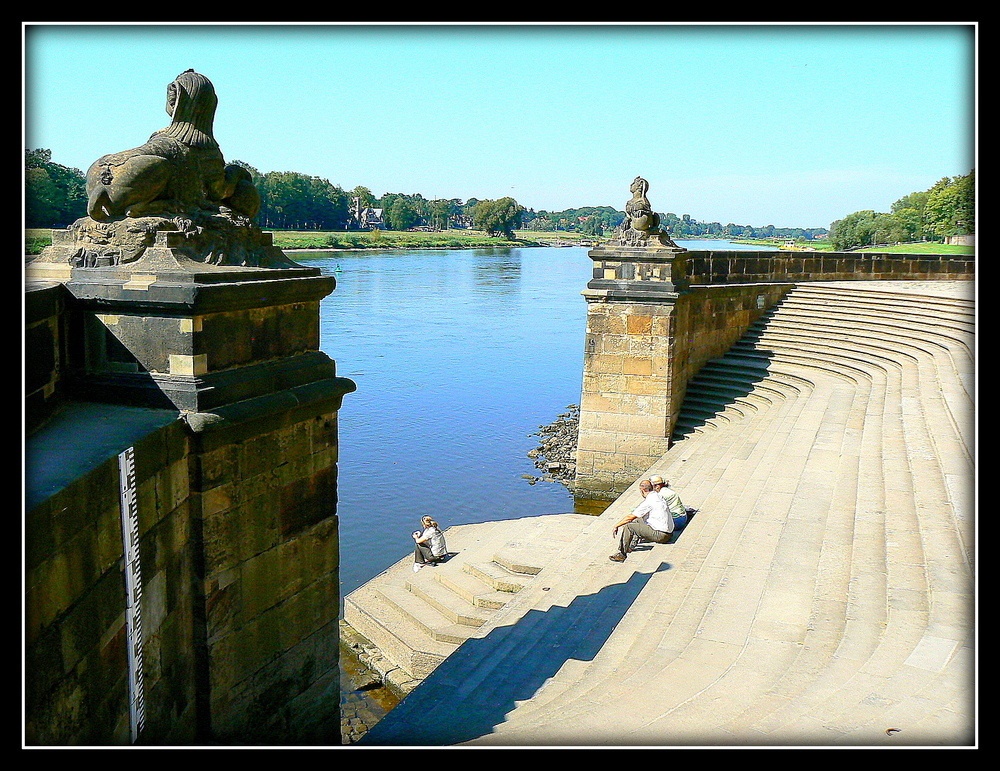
point(790, 125)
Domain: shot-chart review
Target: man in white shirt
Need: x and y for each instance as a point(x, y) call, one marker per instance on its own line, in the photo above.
point(649, 520)
point(673, 501)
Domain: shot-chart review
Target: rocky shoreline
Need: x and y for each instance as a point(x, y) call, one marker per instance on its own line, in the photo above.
point(555, 454)
point(371, 685)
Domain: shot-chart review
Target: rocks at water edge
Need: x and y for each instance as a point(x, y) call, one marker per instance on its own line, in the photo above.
point(556, 451)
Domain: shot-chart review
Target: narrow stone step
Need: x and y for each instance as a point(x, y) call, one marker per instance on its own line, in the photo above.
point(495, 576)
point(473, 589)
point(525, 559)
point(450, 604)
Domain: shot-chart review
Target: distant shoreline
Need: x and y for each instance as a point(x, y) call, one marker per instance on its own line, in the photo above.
point(304, 241)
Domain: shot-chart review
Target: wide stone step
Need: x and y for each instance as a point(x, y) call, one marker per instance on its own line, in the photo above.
point(426, 616)
point(394, 633)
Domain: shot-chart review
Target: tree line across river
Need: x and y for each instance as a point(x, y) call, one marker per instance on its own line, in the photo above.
point(55, 197)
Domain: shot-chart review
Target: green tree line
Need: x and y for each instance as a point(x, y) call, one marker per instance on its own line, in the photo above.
point(55, 197)
point(602, 220)
point(946, 209)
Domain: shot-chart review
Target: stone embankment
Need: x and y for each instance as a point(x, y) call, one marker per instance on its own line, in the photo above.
point(555, 455)
point(824, 596)
point(370, 687)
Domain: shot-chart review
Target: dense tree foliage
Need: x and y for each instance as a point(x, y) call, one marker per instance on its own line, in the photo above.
point(593, 220)
point(946, 209)
point(498, 218)
point(55, 196)
point(290, 200)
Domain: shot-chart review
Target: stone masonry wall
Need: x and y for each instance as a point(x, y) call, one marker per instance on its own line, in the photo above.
point(638, 359)
point(43, 336)
point(626, 396)
point(271, 555)
point(75, 643)
point(745, 267)
point(710, 320)
point(239, 557)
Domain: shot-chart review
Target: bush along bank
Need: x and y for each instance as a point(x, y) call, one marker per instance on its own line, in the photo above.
point(555, 454)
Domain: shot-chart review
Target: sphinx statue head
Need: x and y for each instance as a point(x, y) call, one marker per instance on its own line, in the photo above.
point(191, 103)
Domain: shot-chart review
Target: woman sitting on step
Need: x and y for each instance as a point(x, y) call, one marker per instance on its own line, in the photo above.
point(430, 546)
point(675, 506)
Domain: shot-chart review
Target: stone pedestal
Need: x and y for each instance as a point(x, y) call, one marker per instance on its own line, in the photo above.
point(631, 394)
point(169, 332)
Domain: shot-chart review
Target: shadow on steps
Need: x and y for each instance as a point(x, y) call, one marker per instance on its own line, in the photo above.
point(472, 690)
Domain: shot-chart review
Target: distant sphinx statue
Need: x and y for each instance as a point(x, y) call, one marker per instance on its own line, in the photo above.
point(641, 227)
point(176, 181)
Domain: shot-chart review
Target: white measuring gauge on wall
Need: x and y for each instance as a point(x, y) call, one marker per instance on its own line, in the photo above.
point(133, 590)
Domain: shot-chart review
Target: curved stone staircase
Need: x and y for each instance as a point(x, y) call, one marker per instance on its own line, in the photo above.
point(822, 596)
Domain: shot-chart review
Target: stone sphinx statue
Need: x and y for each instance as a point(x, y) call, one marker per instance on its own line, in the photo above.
point(178, 181)
point(179, 169)
point(641, 227)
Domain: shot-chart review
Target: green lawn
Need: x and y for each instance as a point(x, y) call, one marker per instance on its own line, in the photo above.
point(926, 248)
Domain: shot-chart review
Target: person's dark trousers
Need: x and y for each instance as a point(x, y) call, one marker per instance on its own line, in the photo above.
point(631, 533)
point(422, 554)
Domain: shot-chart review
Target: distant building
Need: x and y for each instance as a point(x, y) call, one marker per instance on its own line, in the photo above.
point(365, 217)
point(966, 239)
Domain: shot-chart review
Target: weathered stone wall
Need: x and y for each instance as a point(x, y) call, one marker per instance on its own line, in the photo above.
point(75, 642)
point(626, 398)
point(656, 316)
point(215, 379)
point(268, 490)
point(638, 359)
point(43, 336)
point(745, 267)
point(239, 556)
point(710, 320)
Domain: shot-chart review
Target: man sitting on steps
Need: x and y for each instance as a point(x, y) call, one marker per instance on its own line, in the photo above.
point(650, 520)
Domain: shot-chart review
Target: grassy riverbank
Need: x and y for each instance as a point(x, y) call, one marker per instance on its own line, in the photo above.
point(924, 247)
point(38, 239)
